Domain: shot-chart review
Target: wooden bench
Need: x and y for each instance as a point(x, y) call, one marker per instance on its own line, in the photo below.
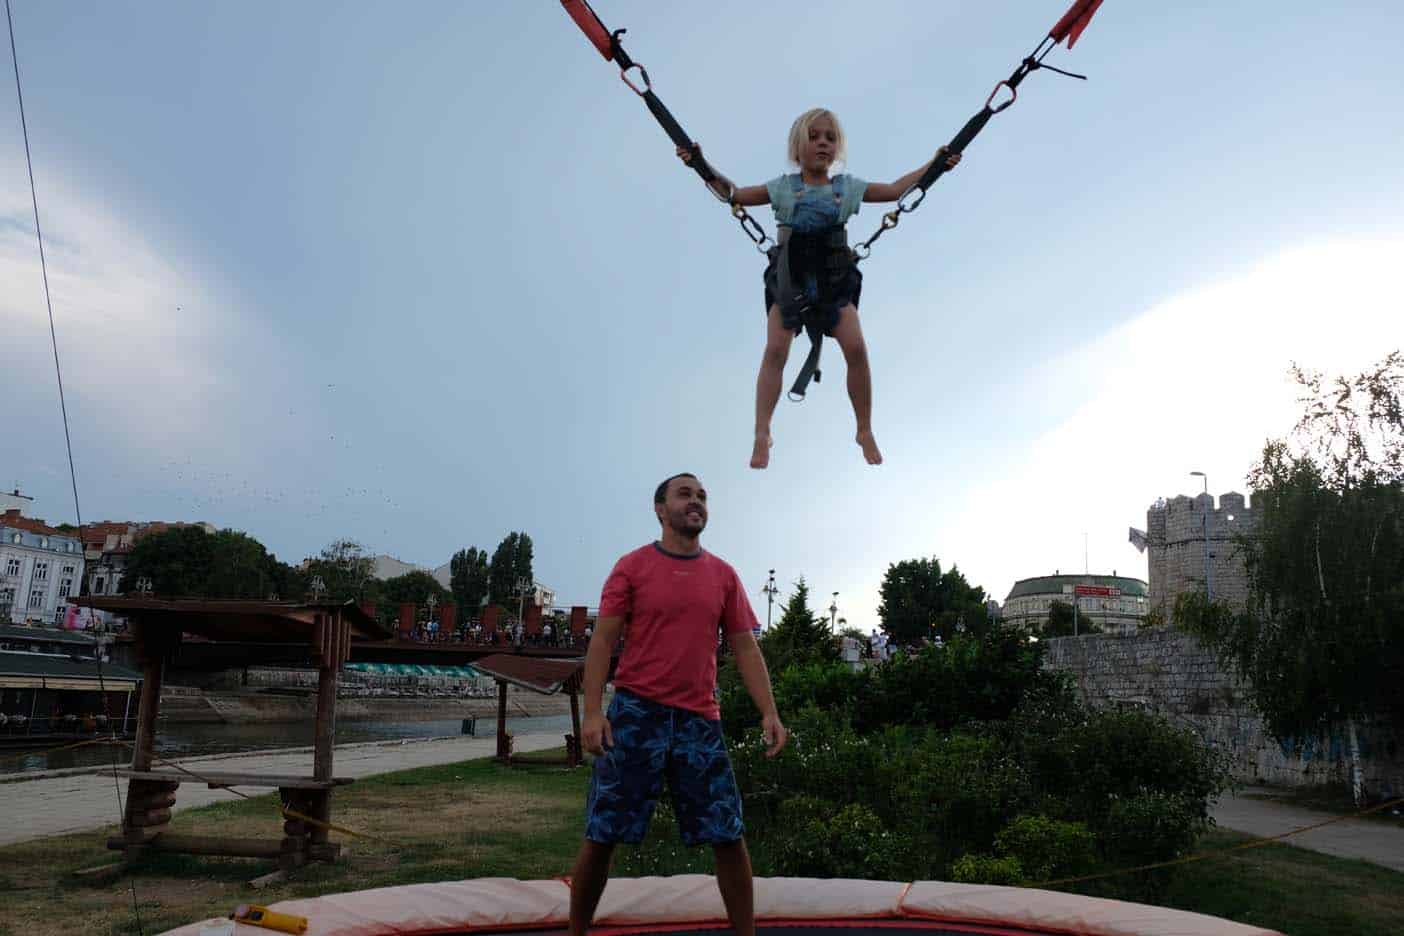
point(152, 794)
point(218, 780)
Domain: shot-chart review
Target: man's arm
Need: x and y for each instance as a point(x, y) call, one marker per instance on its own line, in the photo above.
point(754, 674)
point(595, 732)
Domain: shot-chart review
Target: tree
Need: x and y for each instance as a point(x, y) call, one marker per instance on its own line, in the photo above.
point(347, 573)
point(468, 580)
point(511, 562)
point(1060, 621)
point(919, 601)
point(800, 636)
point(1321, 640)
point(188, 561)
point(414, 587)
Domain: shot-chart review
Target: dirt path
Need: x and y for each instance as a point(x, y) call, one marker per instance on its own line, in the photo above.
point(1367, 840)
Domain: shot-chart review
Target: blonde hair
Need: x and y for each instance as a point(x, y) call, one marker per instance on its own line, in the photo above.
point(799, 134)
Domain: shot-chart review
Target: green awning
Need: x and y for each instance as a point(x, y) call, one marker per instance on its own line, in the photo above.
point(413, 669)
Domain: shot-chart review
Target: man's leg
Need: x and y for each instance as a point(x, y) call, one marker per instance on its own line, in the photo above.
point(587, 883)
point(734, 881)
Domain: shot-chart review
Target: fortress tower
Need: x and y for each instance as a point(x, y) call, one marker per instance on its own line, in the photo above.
point(1175, 535)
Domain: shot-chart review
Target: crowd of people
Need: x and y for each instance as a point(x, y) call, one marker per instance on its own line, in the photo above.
point(553, 633)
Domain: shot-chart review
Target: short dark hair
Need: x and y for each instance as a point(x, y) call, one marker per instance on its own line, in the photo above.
point(660, 494)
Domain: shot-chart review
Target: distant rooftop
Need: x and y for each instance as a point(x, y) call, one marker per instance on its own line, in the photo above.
point(1053, 584)
point(54, 667)
point(49, 634)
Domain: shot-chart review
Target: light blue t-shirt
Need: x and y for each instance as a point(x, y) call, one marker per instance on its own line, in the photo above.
point(805, 207)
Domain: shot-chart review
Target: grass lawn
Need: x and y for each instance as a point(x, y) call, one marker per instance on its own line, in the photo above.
point(478, 819)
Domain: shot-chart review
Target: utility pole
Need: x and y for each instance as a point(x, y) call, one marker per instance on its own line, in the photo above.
point(769, 591)
point(523, 586)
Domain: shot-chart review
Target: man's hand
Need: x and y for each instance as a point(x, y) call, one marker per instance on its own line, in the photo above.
point(774, 733)
point(595, 734)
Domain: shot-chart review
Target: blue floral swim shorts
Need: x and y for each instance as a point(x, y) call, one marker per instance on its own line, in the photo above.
point(654, 742)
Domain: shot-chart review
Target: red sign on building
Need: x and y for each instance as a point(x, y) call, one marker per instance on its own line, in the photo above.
point(1096, 591)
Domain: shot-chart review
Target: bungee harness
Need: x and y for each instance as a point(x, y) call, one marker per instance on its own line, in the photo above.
point(1070, 26)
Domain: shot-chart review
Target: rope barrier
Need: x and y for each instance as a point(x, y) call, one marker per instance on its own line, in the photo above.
point(1215, 852)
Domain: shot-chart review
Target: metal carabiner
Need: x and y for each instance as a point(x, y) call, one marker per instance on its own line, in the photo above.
point(643, 73)
point(751, 227)
point(905, 208)
point(1013, 96)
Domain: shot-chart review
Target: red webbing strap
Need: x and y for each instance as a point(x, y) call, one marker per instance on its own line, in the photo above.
point(590, 24)
point(1074, 21)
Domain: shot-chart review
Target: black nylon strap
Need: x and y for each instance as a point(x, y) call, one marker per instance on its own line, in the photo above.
point(810, 367)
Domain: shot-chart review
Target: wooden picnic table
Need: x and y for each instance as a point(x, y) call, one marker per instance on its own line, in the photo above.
point(326, 628)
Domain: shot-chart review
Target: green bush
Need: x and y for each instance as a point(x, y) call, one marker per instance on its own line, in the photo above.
point(1082, 760)
point(1150, 828)
point(971, 679)
point(987, 869)
point(1046, 848)
point(966, 761)
point(814, 838)
point(825, 758)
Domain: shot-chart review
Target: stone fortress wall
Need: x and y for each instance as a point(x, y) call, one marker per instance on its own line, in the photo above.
point(1165, 671)
point(1175, 531)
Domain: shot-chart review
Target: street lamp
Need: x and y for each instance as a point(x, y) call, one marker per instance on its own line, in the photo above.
point(833, 613)
point(523, 586)
point(1208, 575)
point(769, 591)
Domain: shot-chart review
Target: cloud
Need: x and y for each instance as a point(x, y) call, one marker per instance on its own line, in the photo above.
point(1198, 382)
point(136, 332)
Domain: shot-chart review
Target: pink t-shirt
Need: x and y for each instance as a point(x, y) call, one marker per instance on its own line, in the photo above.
point(673, 607)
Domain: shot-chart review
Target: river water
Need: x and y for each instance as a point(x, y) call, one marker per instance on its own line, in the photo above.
point(183, 740)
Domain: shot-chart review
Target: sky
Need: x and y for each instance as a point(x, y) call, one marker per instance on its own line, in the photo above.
point(426, 275)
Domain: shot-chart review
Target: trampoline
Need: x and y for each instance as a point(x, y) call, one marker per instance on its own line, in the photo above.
point(691, 904)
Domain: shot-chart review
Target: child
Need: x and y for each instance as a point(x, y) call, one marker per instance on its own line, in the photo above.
point(813, 276)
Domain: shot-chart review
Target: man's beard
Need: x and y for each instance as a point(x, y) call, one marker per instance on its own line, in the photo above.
point(681, 525)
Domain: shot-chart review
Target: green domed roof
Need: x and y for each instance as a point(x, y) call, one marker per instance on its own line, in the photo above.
point(1053, 584)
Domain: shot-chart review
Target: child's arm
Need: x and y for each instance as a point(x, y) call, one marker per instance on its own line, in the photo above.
point(878, 192)
point(749, 195)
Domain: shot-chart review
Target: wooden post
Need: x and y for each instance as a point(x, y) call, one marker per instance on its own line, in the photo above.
point(575, 753)
point(150, 705)
point(325, 733)
point(504, 744)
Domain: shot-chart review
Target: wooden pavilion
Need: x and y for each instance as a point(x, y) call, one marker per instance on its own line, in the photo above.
point(157, 626)
point(537, 675)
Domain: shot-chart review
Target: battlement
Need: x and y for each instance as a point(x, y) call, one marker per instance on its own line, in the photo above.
point(1192, 539)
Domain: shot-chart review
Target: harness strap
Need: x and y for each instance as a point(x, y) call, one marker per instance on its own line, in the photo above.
point(790, 294)
point(810, 367)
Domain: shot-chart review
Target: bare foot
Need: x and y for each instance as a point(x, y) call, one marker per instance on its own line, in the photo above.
point(760, 454)
point(869, 445)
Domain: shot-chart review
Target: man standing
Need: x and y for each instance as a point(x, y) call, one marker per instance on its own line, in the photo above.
point(669, 599)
